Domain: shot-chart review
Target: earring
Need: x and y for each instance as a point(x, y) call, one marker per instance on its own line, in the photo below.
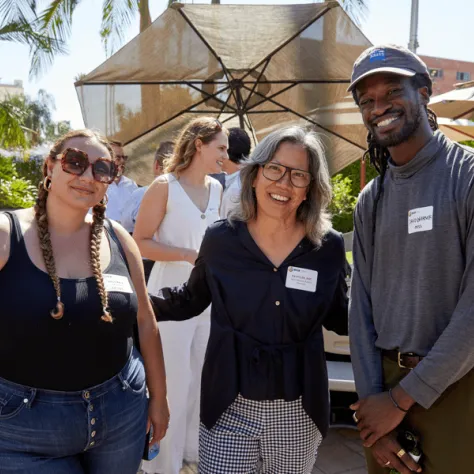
point(47, 183)
point(105, 200)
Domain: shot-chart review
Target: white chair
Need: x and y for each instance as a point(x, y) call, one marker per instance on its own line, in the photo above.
point(341, 376)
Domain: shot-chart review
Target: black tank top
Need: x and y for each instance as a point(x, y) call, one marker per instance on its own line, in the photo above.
point(73, 353)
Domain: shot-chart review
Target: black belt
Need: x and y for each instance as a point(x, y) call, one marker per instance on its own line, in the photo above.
point(409, 360)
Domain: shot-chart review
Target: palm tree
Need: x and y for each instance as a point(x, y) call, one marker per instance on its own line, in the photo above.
point(19, 23)
point(117, 15)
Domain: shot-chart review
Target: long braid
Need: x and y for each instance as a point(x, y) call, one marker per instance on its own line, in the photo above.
point(96, 229)
point(98, 213)
point(46, 247)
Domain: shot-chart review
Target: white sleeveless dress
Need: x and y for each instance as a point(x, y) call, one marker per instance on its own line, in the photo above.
point(184, 343)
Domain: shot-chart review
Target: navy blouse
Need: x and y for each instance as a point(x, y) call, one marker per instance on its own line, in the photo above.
point(266, 339)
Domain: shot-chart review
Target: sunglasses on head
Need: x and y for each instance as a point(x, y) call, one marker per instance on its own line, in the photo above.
point(76, 162)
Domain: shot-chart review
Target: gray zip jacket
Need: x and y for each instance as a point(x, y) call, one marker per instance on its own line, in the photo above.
point(413, 290)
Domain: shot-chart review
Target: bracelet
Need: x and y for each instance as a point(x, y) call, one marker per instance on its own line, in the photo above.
point(395, 403)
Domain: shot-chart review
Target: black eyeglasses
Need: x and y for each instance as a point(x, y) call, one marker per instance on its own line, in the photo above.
point(274, 172)
point(74, 161)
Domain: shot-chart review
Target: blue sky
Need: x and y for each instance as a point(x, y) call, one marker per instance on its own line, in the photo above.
point(387, 21)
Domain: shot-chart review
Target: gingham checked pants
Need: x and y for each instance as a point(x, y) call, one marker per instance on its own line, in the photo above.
point(260, 437)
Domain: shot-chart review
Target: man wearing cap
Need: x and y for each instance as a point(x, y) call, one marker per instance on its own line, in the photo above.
point(412, 311)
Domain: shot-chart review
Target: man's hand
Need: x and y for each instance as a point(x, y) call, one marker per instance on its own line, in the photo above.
point(377, 415)
point(385, 453)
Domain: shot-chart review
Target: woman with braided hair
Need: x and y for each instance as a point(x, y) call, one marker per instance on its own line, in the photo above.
point(72, 386)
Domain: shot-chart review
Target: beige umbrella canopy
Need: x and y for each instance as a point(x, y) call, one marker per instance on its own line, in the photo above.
point(254, 66)
point(455, 104)
point(345, 115)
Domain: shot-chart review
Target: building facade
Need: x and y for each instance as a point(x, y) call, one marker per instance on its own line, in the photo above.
point(445, 73)
point(11, 90)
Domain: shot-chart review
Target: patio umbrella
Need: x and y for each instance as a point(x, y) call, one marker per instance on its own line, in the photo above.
point(254, 66)
point(345, 114)
point(455, 104)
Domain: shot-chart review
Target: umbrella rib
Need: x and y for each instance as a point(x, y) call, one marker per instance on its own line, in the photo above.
point(464, 114)
point(224, 106)
point(188, 109)
point(201, 37)
point(311, 121)
point(462, 132)
point(214, 96)
point(271, 97)
point(256, 83)
point(289, 40)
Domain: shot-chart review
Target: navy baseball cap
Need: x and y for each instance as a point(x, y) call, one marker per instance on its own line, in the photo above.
point(388, 58)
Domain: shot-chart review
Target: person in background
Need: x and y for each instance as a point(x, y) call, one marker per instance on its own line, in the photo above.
point(275, 274)
point(239, 150)
point(174, 215)
point(73, 388)
point(130, 210)
point(121, 189)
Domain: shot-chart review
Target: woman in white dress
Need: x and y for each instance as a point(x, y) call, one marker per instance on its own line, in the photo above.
point(174, 214)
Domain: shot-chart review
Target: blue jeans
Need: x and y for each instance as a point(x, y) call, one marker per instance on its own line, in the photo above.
point(100, 430)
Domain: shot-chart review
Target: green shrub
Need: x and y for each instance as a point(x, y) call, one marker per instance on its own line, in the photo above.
point(342, 204)
point(15, 190)
point(29, 169)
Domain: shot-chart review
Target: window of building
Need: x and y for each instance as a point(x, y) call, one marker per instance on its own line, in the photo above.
point(463, 76)
point(436, 73)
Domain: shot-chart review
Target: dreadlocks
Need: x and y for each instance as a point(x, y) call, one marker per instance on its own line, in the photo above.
point(378, 156)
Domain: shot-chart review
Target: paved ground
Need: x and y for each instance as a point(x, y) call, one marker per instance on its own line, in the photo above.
point(340, 453)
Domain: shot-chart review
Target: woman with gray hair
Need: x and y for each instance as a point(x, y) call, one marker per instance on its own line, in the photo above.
point(274, 273)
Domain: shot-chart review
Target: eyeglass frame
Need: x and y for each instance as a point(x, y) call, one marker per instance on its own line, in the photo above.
point(62, 158)
point(283, 175)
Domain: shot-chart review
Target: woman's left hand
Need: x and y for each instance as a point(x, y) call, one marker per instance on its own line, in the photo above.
point(159, 417)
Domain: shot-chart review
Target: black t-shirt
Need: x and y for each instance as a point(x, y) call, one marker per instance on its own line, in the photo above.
point(76, 352)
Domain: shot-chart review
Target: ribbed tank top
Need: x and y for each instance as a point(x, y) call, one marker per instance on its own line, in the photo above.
point(73, 353)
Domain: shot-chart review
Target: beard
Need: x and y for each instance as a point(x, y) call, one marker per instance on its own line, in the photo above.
point(409, 127)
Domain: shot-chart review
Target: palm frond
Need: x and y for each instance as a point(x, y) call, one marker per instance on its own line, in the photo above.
point(43, 48)
point(14, 10)
point(117, 16)
point(357, 9)
point(56, 20)
point(11, 130)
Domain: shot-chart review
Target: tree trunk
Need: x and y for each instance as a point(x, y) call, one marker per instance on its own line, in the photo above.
point(145, 17)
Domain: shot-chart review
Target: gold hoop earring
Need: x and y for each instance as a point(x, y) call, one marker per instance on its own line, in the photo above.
point(47, 183)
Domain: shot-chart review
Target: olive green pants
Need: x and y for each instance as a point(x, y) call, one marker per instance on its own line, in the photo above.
point(446, 430)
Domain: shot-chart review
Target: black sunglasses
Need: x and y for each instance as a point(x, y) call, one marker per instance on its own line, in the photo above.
point(76, 162)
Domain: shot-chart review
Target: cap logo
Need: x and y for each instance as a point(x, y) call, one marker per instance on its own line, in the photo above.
point(377, 55)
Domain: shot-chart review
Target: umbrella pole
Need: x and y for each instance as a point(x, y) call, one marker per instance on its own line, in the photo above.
point(362, 173)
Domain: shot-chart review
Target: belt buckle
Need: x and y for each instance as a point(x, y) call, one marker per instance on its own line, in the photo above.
point(400, 362)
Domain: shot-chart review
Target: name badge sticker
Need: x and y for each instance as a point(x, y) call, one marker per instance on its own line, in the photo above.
point(301, 279)
point(117, 283)
point(420, 219)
